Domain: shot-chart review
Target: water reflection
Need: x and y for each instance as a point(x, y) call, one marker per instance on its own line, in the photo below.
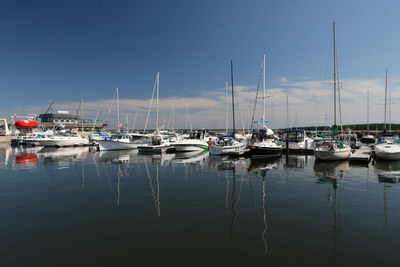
point(388, 171)
point(62, 157)
point(5, 153)
point(330, 171)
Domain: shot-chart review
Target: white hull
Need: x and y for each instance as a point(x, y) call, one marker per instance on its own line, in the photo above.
point(61, 142)
point(154, 149)
point(299, 145)
point(105, 145)
point(187, 148)
point(387, 151)
point(227, 150)
point(339, 154)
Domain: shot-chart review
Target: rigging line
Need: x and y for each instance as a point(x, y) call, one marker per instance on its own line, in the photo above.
point(255, 101)
point(151, 103)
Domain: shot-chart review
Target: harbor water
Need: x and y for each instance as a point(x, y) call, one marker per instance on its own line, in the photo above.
point(80, 207)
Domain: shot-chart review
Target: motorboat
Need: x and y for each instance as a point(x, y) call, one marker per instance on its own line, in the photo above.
point(121, 141)
point(265, 144)
point(64, 139)
point(388, 147)
point(297, 140)
point(195, 142)
point(227, 145)
point(159, 143)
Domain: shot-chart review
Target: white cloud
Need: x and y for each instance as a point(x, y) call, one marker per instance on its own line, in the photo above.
point(310, 101)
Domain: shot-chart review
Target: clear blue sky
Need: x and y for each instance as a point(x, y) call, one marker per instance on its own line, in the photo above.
point(66, 50)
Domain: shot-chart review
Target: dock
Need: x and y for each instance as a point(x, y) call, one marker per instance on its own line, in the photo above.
point(362, 154)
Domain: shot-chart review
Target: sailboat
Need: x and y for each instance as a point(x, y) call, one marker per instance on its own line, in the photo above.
point(160, 142)
point(265, 143)
point(368, 140)
point(227, 144)
point(388, 147)
point(332, 148)
point(120, 141)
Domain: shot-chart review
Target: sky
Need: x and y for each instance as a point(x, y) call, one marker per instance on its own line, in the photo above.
point(67, 51)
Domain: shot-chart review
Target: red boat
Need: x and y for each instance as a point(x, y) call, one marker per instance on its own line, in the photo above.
point(22, 124)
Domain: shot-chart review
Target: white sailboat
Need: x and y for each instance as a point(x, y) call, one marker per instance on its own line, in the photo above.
point(388, 147)
point(160, 142)
point(332, 148)
point(120, 141)
point(264, 142)
point(228, 145)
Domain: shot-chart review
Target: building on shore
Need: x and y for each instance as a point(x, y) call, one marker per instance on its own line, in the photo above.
point(69, 121)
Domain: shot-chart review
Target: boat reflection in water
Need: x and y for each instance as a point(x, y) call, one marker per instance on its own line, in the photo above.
point(261, 166)
point(388, 171)
point(5, 152)
point(295, 161)
point(117, 156)
point(330, 171)
point(63, 157)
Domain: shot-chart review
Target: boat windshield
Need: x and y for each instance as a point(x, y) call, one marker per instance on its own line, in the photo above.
point(295, 136)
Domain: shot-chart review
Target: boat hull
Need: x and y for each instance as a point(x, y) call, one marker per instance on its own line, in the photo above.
point(105, 145)
point(227, 150)
point(264, 152)
point(190, 147)
point(63, 142)
point(154, 149)
point(387, 155)
point(332, 154)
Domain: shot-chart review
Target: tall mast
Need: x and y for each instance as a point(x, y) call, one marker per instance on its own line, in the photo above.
point(82, 115)
point(367, 111)
point(233, 101)
point(264, 91)
point(287, 111)
point(158, 91)
point(384, 126)
point(117, 109)
point(226, 106)
point(334, 73)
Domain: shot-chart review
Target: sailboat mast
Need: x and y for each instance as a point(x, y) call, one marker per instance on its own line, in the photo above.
point(158, 89)
point(264, 92)
point(367, 111)
point(226, 106)
point(117, 109)
point(384, 126)
point(334, 73)
point(82, 116)
point(233, 101)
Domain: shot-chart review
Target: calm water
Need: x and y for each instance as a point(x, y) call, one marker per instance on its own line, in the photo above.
point(76, 207)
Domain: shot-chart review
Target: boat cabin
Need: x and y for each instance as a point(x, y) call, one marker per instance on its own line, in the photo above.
point(295, 136)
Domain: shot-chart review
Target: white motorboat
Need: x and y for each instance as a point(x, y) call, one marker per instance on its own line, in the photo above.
point(195, 142)
point(121, 142)
point(160, 143)
point(228, 146)
point(297, 139)
point(388, 147)
point(63, 140)
point(265, 144)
